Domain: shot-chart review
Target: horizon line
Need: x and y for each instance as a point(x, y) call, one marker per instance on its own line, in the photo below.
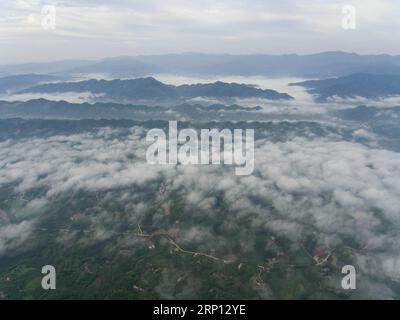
point(94, 59)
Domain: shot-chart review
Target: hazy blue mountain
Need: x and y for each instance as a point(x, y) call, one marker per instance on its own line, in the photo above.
point(361, 84)
point(42, 108)
point(326, 64)
point(42, 67)
point(226, 90)
point(367, 113)
point(47, 109)
point(152, 89)
point(120, 66)
point(22, 81)
point(321, 65)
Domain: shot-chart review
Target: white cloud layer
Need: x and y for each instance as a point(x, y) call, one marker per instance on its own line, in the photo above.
point(338, 189)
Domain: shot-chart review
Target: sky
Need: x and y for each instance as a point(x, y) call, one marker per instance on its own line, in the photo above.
point(96, 29)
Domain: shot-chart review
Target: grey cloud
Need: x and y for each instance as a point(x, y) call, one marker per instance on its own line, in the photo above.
point(137, 27)
point(13, 235)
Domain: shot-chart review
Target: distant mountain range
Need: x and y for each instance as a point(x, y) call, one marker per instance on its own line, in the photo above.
point(47, 109)
point(367, 113)
point(370, 86)
point(320, 65)
point(152, 89)
point(19, 82)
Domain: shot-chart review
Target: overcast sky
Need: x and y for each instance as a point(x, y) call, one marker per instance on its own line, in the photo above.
point(95, 29)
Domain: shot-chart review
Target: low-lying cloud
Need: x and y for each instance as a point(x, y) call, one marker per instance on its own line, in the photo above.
point(333, 188)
